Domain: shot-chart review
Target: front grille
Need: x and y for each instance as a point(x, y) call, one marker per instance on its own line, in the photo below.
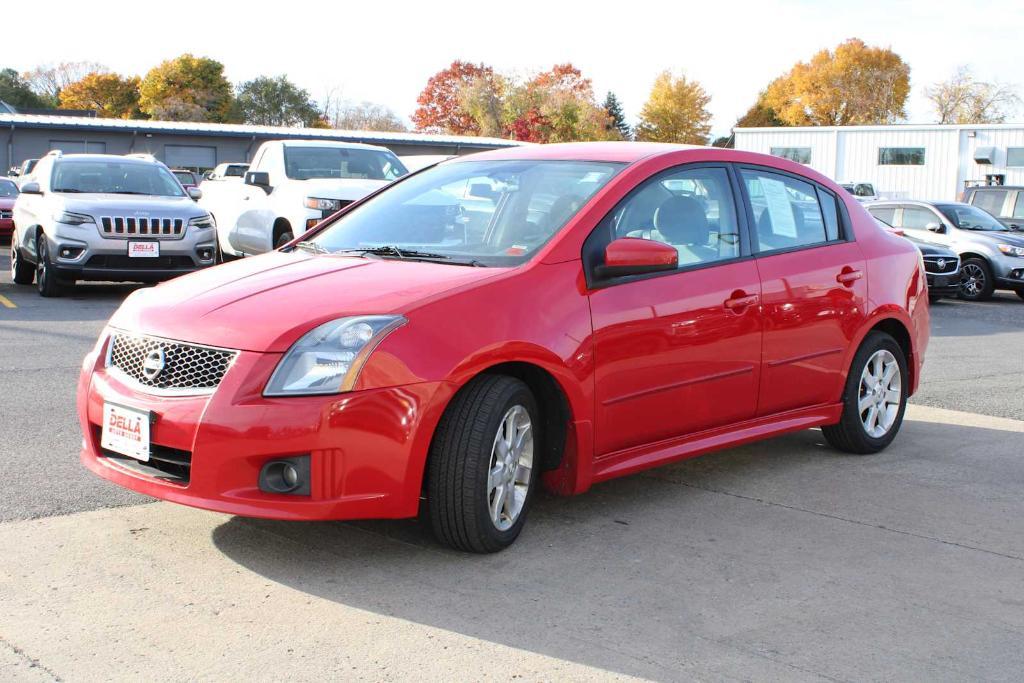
point(127, 262)
point(6, 213)
point(186, 368)
point(165, 463)
point(931, 264)
point(132, 226)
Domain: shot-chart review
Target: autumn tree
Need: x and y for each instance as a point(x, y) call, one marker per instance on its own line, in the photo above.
point(676, 111)
point(558, 106)
point(15, 91)
point(853, 84)
point(617, 117)
point(760, 115)
point(48, 80)
point(111, 96)
point(965, 99)
point(485, 100)
point(440, 109)
point(275, 101)
point(365, 116)
point(187, 88)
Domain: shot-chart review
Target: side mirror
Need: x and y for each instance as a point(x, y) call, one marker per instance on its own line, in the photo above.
point(635, 256)
point(31, 187)
point(935, 227)
point(195, 193)
point(260, 179)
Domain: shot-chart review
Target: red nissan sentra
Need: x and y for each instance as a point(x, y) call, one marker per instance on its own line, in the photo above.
point(556, 315)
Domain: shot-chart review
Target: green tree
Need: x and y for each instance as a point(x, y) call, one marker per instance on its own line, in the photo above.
point(187, 88)
point(617, 117)
point(109, 95)
point(276, 101)
point(17, 93)
point(676, 111)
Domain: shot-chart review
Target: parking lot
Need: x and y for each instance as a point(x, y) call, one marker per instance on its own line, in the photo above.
point(779, 560)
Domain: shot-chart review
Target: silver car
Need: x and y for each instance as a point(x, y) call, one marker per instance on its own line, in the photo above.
point(991, 255)
point(105, 217)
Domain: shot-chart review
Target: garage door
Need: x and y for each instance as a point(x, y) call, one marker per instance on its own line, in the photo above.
point(79, 146)
point(190, 157)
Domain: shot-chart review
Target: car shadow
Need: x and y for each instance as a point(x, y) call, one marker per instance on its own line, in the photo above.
point(771, 553)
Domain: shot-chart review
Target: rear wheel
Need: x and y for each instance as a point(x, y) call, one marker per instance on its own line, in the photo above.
point(482, 472)
point(1020, 293)
point(976, 281)
point(283, 239)
point(874, 399)
point(22, 272)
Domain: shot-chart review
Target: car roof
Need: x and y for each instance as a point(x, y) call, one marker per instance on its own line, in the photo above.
point(983, 188)
point(920, 202)
point(329, 143)
point(625, 152)
point(104, 157)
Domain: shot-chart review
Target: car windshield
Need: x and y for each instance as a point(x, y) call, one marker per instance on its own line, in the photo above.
point(8, 189)
point(115, 177)
point(235, 171)
point(303, 163)
point(488, 213)
point(971, 218)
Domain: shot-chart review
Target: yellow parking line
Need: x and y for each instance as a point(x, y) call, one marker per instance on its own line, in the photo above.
point(7, 303)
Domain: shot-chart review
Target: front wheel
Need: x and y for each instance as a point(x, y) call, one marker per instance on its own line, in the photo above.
point(874, 399)
point(482, 472)
point(46, 279)
point(22, 272)
point(1020, 293)
point(976, 281)
point(283, 239)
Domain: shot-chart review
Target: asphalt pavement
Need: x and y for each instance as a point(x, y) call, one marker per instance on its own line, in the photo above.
point(779, 560)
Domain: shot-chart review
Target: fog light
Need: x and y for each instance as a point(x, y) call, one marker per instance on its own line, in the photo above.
point(286, 475)
point(1017, 273)
point(70, 252)
point(205, 254)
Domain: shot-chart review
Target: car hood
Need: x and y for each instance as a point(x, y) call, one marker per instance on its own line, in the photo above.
point(265, 303)
point(929, 249)
point(340, 188)
point(121, 204)
point(1008, 237)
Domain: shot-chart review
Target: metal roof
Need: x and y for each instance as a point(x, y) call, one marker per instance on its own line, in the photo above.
point(244, 131)
point(882, 127)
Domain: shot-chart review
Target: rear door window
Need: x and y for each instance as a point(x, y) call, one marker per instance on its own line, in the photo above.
point(787, 211)
point(990, 200)
point(1018, 209)
point(917, 218)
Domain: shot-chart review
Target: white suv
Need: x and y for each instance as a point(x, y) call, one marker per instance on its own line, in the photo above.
point(106, 217)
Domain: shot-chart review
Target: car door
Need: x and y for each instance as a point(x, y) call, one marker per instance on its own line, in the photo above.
point(676, 352)
point(813, 288)
point(926, 224)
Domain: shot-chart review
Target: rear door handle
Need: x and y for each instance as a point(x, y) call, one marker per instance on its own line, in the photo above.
point(849, 276)
point(738, 303)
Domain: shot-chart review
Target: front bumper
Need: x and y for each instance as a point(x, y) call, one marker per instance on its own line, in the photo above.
point(81, 255)
point(6, 228)
point(367, 449)
point(947, 284)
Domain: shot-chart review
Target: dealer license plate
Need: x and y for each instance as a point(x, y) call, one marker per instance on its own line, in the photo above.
point(126, 431)
point(143, 249)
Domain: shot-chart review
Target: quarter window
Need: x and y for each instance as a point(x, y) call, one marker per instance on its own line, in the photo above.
point(801, 155)
point(787, 211)
point(901, 156)
point(886, 215)
point(1018, 209)
point(990, 200)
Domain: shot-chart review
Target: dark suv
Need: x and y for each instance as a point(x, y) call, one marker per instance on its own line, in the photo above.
point(1002, 201)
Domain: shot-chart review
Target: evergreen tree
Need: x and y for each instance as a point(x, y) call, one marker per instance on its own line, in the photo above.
point(617, 116)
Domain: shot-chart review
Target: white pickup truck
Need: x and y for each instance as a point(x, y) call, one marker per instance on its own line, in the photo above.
point(291, 186)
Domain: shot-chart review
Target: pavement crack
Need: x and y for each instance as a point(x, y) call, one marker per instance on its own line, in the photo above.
point(839, 518)
point(33, 663)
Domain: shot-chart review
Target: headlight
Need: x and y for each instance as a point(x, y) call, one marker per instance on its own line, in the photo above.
point(1011, 250)
point(201, 221)
point(70, 218)
point(322, 204)
point(327, 360)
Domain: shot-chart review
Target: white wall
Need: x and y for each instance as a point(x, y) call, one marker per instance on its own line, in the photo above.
point(850, 154)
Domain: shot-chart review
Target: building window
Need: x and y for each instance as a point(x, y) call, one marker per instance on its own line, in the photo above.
point(901, 156)
point(801, 155)
point(1015, 156)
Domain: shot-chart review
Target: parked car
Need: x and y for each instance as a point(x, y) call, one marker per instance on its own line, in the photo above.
point(291, 186)
point(1002, 201)
point(991, 255)
point(186, 178)
point(232, 170)
point(106, 217)
point(415, 162)
point(393, 355)
point(864, 192)
point(26, 167)
point(941, 266)
point(8, 193)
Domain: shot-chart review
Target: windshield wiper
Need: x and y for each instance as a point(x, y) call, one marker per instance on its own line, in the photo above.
point(69, 189)
point(312, 247)
point(411, 255)
point(128, 192)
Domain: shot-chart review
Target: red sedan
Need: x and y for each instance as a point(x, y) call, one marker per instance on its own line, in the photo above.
point(556, 315)
point(8, 195)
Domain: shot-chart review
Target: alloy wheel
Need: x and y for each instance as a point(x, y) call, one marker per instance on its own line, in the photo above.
point(42, 268)
point(881, 390)
point(14, 258)
point(972, 281)
point(508, 477)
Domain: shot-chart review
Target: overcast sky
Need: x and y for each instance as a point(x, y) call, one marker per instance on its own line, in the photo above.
point(385, 51)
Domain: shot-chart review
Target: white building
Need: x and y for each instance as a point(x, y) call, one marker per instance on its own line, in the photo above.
point(901, 161)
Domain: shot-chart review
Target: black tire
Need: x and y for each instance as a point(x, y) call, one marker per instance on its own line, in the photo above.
point(460, 457)
point(977, 283)
point(283, 239)
point(934, 299)
point(22, 272)
point(850, 434)
point(1020, 293)
point(46, 280)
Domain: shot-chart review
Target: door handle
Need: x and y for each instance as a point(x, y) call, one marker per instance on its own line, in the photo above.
point(849, 276)
point(740, 301)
